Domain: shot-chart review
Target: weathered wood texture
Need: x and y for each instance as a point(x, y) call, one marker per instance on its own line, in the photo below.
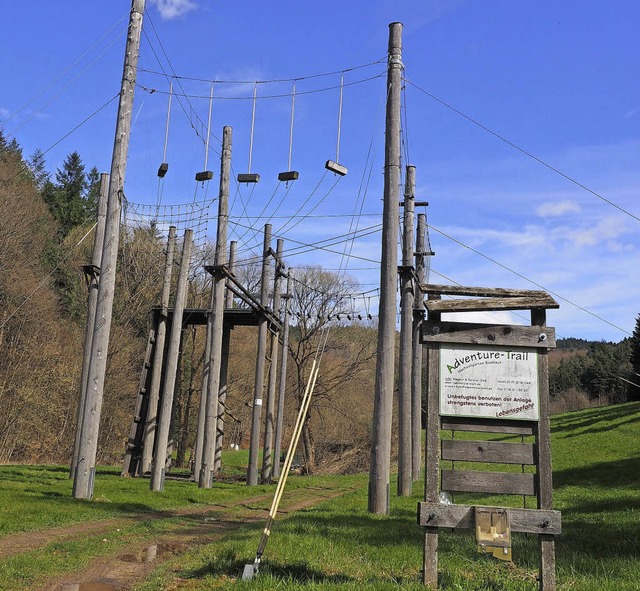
point(488, 426)
point(432, 468)
point(532, 521)
point(488, 482)
point(543, 461)
point(487, 334)
point(482, 292)
point(487, 451)
point(491, 304)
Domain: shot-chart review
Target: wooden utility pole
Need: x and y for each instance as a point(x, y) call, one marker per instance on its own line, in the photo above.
point(267, 449)
point(385, 358)
point(224, 367)
point(416, 365)
point(151, 423)
point(258, 391)
point(216, 312)
point(405, 441)
point(283, 381)
point(85, 467)
point(171, 372)
point(92, 274)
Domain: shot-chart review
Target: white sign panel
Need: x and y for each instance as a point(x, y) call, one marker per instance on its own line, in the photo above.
point(489, 382)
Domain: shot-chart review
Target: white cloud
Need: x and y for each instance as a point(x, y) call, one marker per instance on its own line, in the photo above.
point(557, 208)
point(170, 9)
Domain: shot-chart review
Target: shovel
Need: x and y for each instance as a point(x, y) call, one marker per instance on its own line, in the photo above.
point(251, 569)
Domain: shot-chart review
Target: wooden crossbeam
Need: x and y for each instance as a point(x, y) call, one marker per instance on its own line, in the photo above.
point(531, 521)
point(481, 292)
point(492, 304)
point(488, 334)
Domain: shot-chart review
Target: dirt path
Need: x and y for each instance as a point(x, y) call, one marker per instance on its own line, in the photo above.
point(123, 569)
point(31, 540)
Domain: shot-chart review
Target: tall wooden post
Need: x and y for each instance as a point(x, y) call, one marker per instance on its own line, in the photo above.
point(543, 459)
point(417, 353)
point(283, 381)
point(267, 449)
point(151, 423)
point(258, 391)
point(405, 441)
point(224, 367)
point(217, 318)
point(385, 358)
point(173, 353)
point(92, 273)
point(85, 467)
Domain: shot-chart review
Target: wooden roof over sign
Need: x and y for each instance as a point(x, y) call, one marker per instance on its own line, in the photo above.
point(484, 299)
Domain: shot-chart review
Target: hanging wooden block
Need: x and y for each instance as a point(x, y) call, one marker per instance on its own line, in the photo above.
point(291, 175)
point(248, 177)
point(335, 167)
point(162, 169)
point(205, 175)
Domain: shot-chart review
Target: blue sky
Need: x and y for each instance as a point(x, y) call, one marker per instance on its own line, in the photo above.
point(557, 79)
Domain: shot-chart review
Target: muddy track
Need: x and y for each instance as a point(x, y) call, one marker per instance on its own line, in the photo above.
point(125, 568)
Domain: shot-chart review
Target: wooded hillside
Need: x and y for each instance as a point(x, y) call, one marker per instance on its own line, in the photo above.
point(45, 238)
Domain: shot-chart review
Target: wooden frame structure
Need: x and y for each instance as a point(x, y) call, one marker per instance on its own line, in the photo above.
point(534, 340)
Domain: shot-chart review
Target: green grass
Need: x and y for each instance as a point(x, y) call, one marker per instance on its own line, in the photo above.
point(338, 545)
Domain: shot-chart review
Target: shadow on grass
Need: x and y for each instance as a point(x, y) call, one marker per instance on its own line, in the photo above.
point(597, 420)
point(615, 473)
point(228, 564)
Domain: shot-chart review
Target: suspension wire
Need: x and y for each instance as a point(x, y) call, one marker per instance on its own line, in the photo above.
point(44, 281)
point(518, 274)
point(184, 94)
point(293, 106)
point(66, 70)
point(166, 130)
point(275, 80)
point(253, 120)
point(339, 118)
point(206, 148)
point(164, 73)
point(60, 92)
point(523, 151)
point(297, 211)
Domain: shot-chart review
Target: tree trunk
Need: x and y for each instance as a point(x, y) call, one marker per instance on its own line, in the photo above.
point(308, 447)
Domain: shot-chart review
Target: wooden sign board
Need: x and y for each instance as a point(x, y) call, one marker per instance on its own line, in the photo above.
point(489, 382)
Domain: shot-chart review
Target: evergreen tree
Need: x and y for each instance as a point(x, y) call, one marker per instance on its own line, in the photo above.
point(36, 165)
point(67, 198)
point(634, 357)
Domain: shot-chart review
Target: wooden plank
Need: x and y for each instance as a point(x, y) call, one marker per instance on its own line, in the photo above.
point(487, 334)
point(532, 521)
point(543, 460)
point(491, 304)
point(484, 292)
point(487, 426)
point(432, 441)
point(488, 482)
point(494, 452)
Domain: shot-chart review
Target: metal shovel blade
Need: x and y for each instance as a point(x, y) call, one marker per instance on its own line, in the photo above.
point(248, 572)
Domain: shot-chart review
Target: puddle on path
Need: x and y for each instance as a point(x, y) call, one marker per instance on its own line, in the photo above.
point(90, 586)
point(154, 552)
point(146, 556)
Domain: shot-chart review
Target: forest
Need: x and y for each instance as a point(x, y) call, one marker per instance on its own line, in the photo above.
point(45, 238)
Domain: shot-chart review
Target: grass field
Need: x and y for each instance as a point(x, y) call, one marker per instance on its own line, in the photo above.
point(337, 544)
